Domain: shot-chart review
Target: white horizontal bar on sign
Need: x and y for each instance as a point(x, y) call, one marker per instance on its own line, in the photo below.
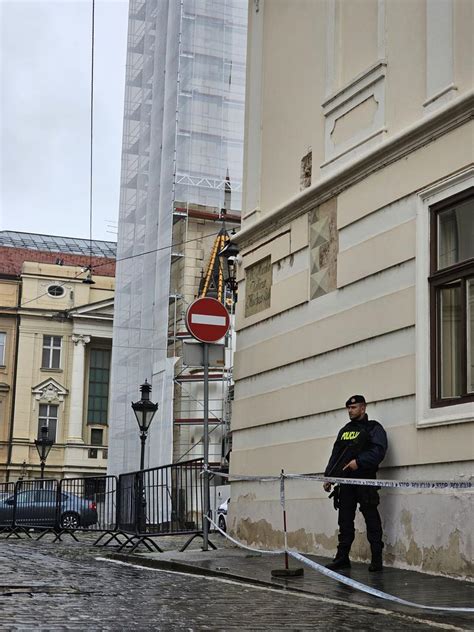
point(207, 319)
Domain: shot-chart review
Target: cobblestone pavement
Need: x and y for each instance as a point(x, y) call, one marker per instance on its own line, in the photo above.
point(63, 586)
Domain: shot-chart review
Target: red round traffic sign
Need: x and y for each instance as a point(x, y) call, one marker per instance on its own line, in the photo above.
point(207, 319)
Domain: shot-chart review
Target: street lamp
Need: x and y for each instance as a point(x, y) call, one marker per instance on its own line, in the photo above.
point(43, 445)
point(144, 411)
point(228, 256)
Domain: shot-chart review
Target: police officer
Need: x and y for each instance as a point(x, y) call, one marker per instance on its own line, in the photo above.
point(359, 449)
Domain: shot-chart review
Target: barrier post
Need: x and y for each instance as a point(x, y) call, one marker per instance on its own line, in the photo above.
point(287, 571)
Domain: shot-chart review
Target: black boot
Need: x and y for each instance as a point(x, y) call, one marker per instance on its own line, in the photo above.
point(339, 562)
point(376, 563)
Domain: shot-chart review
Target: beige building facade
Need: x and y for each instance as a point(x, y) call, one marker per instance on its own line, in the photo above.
point(9, 289)
point(357, 267)
point(57, 348)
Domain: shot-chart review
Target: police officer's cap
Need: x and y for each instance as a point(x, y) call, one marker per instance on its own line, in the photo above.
point(356, 399)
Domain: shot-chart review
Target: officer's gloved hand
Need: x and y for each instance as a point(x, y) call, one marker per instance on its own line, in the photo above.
point(335, 496)
point(327, 487)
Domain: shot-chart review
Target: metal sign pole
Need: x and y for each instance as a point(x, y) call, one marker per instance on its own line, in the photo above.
point(207, 320)
point(206, 508)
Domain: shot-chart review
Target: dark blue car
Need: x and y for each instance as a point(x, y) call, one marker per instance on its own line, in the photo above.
point(38, 508)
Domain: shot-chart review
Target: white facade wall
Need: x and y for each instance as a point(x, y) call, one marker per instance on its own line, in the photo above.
point(401, 146)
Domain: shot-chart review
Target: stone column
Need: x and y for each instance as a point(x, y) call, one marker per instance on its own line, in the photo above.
point(76, 412)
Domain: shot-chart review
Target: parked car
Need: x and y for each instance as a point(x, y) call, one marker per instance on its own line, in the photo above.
point(37, 508)
point(222, 514)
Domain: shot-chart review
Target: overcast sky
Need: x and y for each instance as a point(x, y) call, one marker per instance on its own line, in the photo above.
point(45, 108)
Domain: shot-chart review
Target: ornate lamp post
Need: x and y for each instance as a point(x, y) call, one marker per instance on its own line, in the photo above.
point(228, 257)
point(144, 411)
point(43, 445)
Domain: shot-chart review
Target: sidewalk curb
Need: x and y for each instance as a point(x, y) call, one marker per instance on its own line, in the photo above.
point(191, 569)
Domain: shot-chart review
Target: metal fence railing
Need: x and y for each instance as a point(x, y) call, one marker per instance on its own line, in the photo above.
point(138, 505)
point(7, 518)
point(162, 500)
point(88, 503)
point(67, 505)
point(36, 504)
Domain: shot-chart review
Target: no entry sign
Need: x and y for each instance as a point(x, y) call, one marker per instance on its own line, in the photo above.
point(207, 320)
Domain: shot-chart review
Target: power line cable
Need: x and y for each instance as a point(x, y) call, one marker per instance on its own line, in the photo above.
point(149, 252)
point(107, 263)
point(25, 334)
point(91, 165)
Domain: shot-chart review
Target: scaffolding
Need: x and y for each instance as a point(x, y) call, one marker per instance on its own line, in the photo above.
point(182, 165)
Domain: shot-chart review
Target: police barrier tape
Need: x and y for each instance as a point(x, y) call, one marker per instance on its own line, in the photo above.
point(342, 578)
point(373, 482)
point(368, 589)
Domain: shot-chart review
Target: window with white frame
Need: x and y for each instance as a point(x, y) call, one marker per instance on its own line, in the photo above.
point(51, 358)
point(452, 300)
point(3, 341)
point(48, 417)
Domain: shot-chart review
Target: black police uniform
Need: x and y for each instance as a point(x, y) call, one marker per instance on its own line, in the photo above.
point(366, 441)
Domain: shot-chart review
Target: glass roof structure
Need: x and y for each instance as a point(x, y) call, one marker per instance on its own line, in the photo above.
point(51, 243)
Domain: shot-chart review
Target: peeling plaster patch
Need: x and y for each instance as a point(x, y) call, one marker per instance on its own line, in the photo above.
point(259, 533)
point(327, 543)
point(448, 559)
point(425, 532)
point(301, 540)
point(249, 496)
point(360, 548)
point(405, 519)
point(445, 560)
point(306, 168)
point(414, 554)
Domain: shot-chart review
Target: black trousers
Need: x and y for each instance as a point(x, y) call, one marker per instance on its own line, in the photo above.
point(368, 499)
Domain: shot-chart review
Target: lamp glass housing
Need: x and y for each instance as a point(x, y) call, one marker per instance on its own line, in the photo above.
point(144, 409)
point(44, 444)
point(144, 412)
point(228, 257)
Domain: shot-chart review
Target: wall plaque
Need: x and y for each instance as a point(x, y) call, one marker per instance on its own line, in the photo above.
point(258, 285)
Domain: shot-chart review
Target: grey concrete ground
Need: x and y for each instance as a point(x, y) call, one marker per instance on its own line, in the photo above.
point(74, 586)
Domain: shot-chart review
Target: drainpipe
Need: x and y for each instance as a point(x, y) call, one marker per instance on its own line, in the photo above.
point(15, 371)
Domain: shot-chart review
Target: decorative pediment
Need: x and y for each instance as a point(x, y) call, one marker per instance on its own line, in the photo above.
point(101, 310)
point(49, 392)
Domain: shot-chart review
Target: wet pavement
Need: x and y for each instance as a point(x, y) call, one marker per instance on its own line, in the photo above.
point(73, 586)
point(233, 562)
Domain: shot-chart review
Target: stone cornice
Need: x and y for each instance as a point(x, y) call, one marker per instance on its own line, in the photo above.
point(431, 127)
